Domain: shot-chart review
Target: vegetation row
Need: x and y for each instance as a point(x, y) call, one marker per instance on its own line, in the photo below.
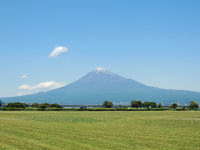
point(136, 105)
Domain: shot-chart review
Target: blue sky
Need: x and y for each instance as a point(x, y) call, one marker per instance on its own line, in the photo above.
point(154, 42)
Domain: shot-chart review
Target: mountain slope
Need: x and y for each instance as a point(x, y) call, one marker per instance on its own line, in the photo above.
point(100, 85)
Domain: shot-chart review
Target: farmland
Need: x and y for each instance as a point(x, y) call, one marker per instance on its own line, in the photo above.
point(79, 130)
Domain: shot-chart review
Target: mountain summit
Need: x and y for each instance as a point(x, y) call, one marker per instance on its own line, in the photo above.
point(101, 70)
point(101, 84)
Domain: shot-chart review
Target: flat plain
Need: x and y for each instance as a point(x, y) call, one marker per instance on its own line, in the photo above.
point(84, 130)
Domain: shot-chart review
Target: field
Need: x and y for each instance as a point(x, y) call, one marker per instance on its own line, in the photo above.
point(163, 130)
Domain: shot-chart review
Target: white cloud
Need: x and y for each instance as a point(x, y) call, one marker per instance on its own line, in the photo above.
point(25, 87)
point(21, 94)
point(57, 51)
point(24, 76)
point(43, 86)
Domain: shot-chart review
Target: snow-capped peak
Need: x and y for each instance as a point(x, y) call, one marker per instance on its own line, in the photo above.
point(101, 70)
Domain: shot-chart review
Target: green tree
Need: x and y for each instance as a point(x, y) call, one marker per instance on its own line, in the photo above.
point(107, 104)
point(55, 105)
point(193, 105)
point(174, 106)
point(35, 105)
point(159, 105)
point(147, 104)
point(0, 103)
point(17, 105)
point(45, 105)
point(136, 104)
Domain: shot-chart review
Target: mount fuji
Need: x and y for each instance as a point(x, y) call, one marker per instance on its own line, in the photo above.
point(101, 84)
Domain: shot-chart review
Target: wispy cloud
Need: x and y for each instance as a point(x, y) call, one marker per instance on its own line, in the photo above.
point(24, 76)
point(57, 51)
point(43, 86)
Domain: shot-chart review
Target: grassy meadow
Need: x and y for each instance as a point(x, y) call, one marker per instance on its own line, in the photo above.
point(119, 130)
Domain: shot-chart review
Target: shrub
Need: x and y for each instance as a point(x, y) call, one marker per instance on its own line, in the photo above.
point(45, 105)
point(181, 109)
point(11, 108)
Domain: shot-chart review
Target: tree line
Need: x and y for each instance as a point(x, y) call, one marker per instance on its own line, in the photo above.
point(140, 104)
point(136, 104)
point(19, 105)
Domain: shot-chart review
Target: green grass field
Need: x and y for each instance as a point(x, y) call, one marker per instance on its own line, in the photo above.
point(100, 130)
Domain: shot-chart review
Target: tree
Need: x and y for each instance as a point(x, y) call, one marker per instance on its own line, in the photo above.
point(17, 105)
point(35, 105)
point(193, 105)
point(147, 104)
point(136, 104)
point(0, 103)
point(159, 105)
point(45, 105)
point(174, 106)
point(107, 104)
point(55, 105)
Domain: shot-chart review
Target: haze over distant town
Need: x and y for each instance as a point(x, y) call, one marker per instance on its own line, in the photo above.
point(155, 43)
